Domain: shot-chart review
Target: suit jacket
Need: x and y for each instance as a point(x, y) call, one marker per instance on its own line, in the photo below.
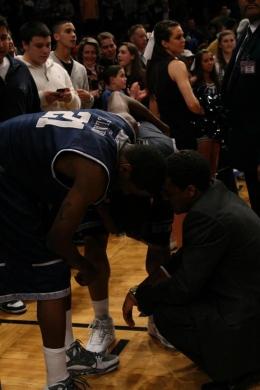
point(241, 97)
point(217, 279)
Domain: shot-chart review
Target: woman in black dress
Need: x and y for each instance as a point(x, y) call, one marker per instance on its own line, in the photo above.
point(169, 86)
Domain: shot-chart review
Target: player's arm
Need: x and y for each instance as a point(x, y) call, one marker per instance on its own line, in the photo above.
point(90, 181)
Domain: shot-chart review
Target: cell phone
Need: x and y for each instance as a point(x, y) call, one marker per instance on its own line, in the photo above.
point(61, 90)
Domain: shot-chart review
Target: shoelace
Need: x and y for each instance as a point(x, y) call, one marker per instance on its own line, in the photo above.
point(98, 337)
point(81, 380)
point(93, 357)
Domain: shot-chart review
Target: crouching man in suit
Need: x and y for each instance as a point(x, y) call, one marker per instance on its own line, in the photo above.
point(205, 300)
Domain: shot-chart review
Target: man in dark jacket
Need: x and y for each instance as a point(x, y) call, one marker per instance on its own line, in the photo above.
point(205, 300)
point(18, 91)
point(241, 94)
point(19, 95)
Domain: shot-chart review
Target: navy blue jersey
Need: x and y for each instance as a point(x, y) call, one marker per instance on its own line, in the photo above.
point(30, 145)
point(148, 134)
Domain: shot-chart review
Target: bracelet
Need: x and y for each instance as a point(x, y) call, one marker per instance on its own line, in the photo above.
point(133, 290)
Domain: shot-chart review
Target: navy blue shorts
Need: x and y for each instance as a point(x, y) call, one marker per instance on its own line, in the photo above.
point(28, 270)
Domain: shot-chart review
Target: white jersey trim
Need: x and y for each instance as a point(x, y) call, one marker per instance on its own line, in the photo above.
point(86, 156)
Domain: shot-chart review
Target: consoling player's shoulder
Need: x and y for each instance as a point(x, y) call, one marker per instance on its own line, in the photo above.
point(149, 134)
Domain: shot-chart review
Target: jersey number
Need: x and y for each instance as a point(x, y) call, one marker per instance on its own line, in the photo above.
point(64, 119)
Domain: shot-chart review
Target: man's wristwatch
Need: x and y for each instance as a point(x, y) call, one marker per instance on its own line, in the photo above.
point(132, 290)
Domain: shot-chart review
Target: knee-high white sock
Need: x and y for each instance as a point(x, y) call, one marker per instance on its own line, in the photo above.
point(101, 309)
point(69, 338)
point(55, 361)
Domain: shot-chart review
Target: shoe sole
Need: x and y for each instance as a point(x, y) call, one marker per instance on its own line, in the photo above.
point(19, 311)
point(74, 371)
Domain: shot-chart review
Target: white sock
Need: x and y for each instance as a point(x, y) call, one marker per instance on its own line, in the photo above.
point(55, 361)
point(101, 308)
point(69, 338)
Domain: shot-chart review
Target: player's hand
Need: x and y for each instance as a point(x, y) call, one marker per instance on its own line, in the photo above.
point(127, 309)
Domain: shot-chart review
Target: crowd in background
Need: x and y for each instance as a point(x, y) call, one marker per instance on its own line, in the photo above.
point(93, 16)
point(173, 57)
point(108, 39)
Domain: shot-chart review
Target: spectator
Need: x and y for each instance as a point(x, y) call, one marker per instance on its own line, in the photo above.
point(193, 36)
point(169, 85)
point(222, 17)
point(64, 34)
point(19, 96)
point(18, 89)
point(12, 49)
point(230, 24)
point(129, 59)
point(54, 85)
point(138, 36)
point(241, 90)
point(88, 55)
point(226, 46)
point(108, 49)
point(115, 80)
point(206, 87)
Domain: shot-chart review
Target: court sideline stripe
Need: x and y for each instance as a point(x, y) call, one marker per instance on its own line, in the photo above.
point(118, 348)
point(75, 325)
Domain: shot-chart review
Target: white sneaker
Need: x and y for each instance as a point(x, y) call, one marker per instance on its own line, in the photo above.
point(102, 335)
point(13, 307)
point(85, 362)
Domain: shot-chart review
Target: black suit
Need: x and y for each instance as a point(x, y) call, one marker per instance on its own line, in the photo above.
point(241, 88)
point(210, 307)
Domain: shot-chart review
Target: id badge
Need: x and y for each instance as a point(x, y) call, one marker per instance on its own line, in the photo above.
point(247, 67)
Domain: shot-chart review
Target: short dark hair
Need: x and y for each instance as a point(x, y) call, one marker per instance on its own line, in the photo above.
point(110, 71)
point(32, 29)
point(3, 22)
point(105, 35)
point(133, 29)
point(148, 167)
point(189, 167)
point(56, 26)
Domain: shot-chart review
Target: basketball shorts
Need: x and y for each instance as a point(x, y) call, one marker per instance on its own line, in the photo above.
point(28, 270)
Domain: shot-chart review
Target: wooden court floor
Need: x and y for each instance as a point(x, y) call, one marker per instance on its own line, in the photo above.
point(144, 363)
